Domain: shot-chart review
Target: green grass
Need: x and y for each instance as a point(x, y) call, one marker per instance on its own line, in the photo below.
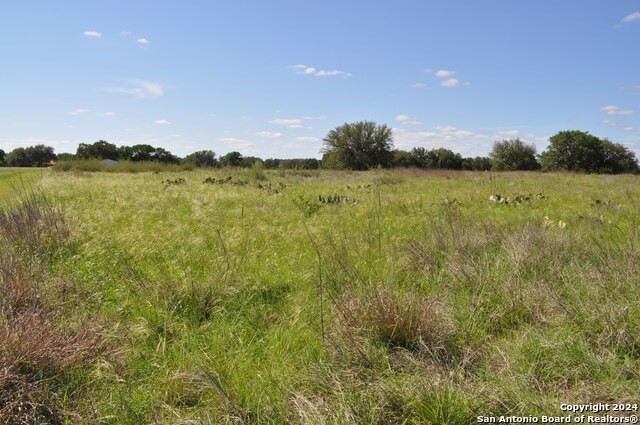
point(17, 179)
point(337, 297)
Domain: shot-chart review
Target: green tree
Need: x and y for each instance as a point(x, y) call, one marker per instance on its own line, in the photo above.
point(231, 159)
point(617, 158)
point(137, 153)
point(164, 156)
point(2, 157)
point(573, 150)
point(359, 146)
point(420, 156)
point(444, 158)
point(402, 159)
point(32, 156)
point(479, 163)
point(99, 150)
point(206, 158)
point(514, 154)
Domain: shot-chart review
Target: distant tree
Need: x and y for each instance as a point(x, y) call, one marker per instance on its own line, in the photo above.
point(514, 154)
point(332, 161)
point(137, 153)
point(299, 164)
point(100, 150)
point(359, 146)
point(479, 163)
point(573, 150)
point(420, 156)
point(164, 156)
point(32, 156)
point(617, 158)
point(206, 158)
point(18, 158)
point(444, 158)
point(249, 161)
point(272, 163)
point(2, 157)
point(65, 156)
point(402, 159)
point(231, 159)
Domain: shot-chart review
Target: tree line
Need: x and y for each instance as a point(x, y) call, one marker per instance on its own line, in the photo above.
point(366, 145)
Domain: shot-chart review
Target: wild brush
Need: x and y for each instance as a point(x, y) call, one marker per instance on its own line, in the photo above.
point(32, 344)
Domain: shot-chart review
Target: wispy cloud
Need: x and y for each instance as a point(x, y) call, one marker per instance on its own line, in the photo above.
point(238, 144)
point(107, 114)
point(451, 82)
point(307, 139)
point(288, 122)
point(142, 41)
point(509, 133)
point(318, 117)
point(441, 73)
point(269, 134)
point(614, 110)
point(162, 122)
point(95, 34)
point(633, 17)
point(407, 120)
point(140, 89)
point(78, 111)
point(309, 70)
point(419, 86)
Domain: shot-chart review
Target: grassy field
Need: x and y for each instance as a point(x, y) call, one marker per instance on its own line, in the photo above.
point(245, 296)
point(14, 180)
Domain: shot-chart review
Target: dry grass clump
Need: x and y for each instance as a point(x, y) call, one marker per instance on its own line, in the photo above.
point(33, 226)
point(400, 321)
point(33, 345)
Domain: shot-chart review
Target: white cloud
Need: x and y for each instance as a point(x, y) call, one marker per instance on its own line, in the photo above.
point(281, 121)
point(509, 133)
point(142, 41)
point(107, 114)
point(140, 89)
point(407, 120)
point(269, 134)
point(319, 117)
point(614, 110)
point(451, 82)
point(309, 70)
point(307, 139)
point(298, 126)
point(631, 128)
point(238, 144)
point(162, 122)
point(444, 73)
point(78, 111)
point(95, 34)
point(125, 33)
point(419, 86)
point(634, 17)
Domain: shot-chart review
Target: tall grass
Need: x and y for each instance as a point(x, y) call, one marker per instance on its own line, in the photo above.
point(122, 166)
point(418, 301)
point(37, 346)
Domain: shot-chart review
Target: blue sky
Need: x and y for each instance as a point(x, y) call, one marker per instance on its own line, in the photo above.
point(271, 78)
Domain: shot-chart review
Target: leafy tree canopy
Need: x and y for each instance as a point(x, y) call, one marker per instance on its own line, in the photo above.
point(514, 154)
point(359, 146)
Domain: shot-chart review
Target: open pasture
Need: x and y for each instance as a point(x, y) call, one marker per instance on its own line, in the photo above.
point(246, 296)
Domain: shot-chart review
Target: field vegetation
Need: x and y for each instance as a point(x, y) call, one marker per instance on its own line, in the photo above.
point(317, 297)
